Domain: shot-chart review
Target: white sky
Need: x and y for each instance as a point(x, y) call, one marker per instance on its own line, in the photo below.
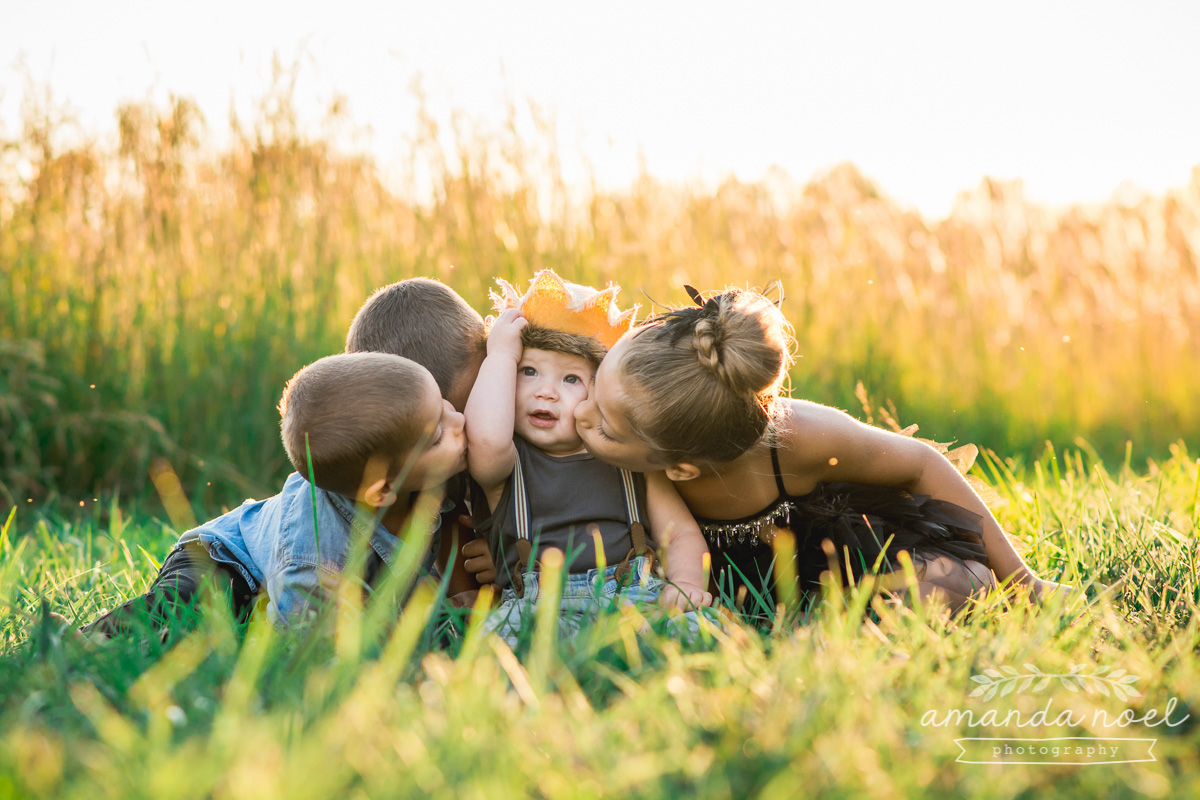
point(925, 97)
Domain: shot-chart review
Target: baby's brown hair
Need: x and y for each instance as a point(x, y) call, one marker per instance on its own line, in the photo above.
point(535, 337)
point(709, 376)
point(350, 408)
point(424, 320)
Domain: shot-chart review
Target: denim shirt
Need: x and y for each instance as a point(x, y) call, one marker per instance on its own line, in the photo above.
point(273, 544)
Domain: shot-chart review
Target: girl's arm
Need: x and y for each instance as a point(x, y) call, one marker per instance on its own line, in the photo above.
point(491, 407)
point(677, 538)
point(825, 444)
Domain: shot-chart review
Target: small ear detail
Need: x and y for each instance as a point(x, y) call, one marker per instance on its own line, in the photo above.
point(378, 494)
point(683, 471)
point(697, 298)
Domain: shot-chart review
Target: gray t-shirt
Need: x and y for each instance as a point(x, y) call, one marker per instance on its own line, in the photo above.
point(569, 496)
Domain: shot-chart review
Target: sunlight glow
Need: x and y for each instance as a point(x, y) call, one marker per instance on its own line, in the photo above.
point(925, 98)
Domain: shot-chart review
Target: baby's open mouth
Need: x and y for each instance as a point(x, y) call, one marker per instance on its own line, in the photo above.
point(543, 419)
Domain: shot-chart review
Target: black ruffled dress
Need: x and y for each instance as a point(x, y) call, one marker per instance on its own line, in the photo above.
point(855, 518)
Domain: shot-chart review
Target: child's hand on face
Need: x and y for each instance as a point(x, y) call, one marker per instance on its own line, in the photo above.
point(505, 335)
point(684, 596)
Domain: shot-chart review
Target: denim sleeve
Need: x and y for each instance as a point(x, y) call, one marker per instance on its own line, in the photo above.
point(296, 591)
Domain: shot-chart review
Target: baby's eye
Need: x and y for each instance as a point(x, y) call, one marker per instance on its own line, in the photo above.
point(529, 372)
point(441, 433)
point(573, 379)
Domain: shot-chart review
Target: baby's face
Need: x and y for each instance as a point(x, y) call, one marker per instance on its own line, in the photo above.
point(549, 387)
point(443, 451)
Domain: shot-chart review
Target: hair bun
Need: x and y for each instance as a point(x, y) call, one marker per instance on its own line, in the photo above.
point(706, 341)
point(738, 337)
point(708, 376)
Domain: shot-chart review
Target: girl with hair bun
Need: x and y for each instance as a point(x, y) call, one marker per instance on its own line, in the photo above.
point(695, 392)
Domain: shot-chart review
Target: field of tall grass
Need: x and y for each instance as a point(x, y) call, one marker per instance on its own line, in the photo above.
point(155, 294)
point(420, 704)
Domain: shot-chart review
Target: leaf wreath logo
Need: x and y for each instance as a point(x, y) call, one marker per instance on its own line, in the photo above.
point(1006, 680)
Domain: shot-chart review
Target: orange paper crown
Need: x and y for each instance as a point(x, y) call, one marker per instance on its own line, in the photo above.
point(553, 303)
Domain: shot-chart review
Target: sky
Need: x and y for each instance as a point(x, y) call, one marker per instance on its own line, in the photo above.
point(926, 98)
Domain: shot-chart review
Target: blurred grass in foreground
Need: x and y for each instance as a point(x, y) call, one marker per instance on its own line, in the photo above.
point(154, 295)
point(834, 707)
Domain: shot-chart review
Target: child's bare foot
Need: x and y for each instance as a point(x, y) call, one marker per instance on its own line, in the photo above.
point(74, 631)
point(1040, 590)
point(1073, 596)
point(464, 599)
point(1043, 590)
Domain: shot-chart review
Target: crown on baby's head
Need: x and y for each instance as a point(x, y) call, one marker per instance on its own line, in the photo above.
point(553, 303)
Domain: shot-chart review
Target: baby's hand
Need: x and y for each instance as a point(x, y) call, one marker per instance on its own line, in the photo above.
point(685, 596)
point(477, 561)
point(505, 335)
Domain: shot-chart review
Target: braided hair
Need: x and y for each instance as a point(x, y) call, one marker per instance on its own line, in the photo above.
point(709, 375)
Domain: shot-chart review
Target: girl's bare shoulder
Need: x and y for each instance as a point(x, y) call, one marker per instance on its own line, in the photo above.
point(807, 432)
point(803, 424)
point(812, 437)
point(825, 443)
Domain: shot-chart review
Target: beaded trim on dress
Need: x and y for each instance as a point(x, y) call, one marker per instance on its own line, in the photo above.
point(760, 528)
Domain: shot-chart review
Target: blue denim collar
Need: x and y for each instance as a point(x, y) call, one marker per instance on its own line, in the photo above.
point(382, 541)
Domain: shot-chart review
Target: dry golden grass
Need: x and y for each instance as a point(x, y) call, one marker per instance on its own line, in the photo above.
point(186, 285)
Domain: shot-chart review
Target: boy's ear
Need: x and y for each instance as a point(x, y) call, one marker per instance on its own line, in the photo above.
point(377, 494)
point(683, 471)
point(375, 489)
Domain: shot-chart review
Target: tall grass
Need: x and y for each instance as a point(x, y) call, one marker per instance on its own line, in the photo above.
point(833, 708)
point(155, 294)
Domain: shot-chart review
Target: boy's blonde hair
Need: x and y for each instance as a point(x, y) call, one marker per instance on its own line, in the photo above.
point(424, 320)
point(708, 377)
point(350, 408)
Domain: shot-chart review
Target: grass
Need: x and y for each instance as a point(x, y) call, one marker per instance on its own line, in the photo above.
point(833, 707)
point(155, 294)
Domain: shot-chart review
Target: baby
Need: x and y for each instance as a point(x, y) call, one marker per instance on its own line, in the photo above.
point(542, 488)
